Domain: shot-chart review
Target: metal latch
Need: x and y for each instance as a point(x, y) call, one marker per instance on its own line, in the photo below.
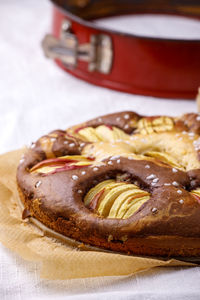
point(98, 52)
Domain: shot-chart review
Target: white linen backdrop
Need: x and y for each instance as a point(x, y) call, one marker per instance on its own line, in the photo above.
point(37, 97)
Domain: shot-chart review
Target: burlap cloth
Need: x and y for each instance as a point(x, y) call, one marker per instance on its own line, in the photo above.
point(58, 260)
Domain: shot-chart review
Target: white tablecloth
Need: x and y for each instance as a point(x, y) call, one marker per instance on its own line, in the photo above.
point(36, 97)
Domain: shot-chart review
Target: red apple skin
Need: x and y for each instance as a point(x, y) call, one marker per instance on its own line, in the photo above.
point(95, 201)
point(196, 197)
point(53, 161)
point(65, 168)
point(109, 126)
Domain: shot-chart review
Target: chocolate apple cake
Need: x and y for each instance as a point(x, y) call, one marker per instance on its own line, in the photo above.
point(121, 182)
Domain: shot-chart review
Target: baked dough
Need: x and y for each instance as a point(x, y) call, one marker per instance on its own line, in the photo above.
point(121, 182)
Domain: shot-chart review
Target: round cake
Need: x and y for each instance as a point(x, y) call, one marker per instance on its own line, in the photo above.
point(121, 182)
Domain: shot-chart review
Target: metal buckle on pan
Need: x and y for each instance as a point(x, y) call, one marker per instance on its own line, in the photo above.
point(98, 53)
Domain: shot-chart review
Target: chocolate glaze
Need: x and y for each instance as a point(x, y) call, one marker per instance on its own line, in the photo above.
point(120, 120)
point(191, 122)
point(167, 224)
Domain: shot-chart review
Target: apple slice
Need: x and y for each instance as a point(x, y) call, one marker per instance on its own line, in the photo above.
point(196, 192)
point(117, 205)
point(82, 163)
point(164, 157)
point(103, 133)
point(111, 196)
point(89, 134)
point(115, 199)
point(161, 124)
point(105, 185)
point(120, 134)
point(142, 126)
point(134, 207)
point(95, 190)
point(62, 163)
point(107, 135)
point(95, 201)
point(149, 125)
point(46, 169)
point(132, 200)
point(55, 169)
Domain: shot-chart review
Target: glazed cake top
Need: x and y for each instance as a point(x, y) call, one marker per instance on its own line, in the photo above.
point(124, 173)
